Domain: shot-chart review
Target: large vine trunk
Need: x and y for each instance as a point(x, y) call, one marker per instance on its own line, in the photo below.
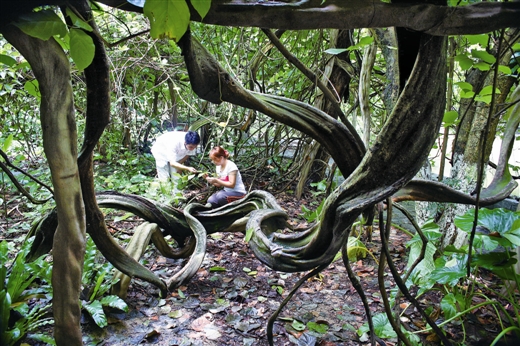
point(51, 68)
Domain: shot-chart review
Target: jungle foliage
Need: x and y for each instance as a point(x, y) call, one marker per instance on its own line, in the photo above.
point(286, 119)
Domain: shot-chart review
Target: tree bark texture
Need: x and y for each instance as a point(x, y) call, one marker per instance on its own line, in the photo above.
point(354, 14)
point(52, 70)
point(339, 14)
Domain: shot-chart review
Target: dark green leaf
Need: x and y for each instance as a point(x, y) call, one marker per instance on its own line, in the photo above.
point(449, 305)
point(42, 24)
point(7, 60)
point(449, 275)
point(95, 310)
point(500, 263)
point(114, 302)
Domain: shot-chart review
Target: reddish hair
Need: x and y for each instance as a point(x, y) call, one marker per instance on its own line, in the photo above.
point(218, 152)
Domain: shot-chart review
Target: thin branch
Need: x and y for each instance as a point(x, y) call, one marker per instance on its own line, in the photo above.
point(19, 186)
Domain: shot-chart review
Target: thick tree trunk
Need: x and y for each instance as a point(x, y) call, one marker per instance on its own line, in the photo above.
point(477, 122)
point(52, 69)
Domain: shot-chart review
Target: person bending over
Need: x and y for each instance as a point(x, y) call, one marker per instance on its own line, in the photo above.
point(172, 149)
point(228, 177)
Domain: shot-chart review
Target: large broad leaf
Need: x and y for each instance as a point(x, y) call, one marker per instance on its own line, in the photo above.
point(481, 39)
point(501, 225)
point(449, 306)
point(494, 220)
point(356, 249)
point(201, 6)
point(382, 327)
point(484, 56)
point(449, 275)
point(82, 48)
point(168, 18)
point(42, 24)
point(114, 302)
point(95, 310)
point(500, 263)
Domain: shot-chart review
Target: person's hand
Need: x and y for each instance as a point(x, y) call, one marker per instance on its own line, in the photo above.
point(191, 169)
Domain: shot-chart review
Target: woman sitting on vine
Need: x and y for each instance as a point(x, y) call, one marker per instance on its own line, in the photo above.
point(228, 177)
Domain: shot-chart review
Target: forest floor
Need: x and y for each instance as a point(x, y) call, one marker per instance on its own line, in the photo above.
point(232, 296)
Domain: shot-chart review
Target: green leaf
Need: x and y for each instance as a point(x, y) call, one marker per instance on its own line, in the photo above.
point(77, 21)
point(320, 185)
point(481, 39)
point(467, 95)
point(382, 327)
point(33, 88)
point(497, 220)
point(482, 66)
point(465, 63)
point(118, 218)
point(336, 51)
point(249, 234)
point(114, 302)
point(450, 118)
point(7, 144)
point(5, 309)
point(500, 263)
point(449, 275)
point(513, 236)
point(217, 269)
point(464, 86)
point(504, 69)
point(42, 24)
point(484, 56)
point(201, 6)
point(318, 327)
point(488, 90)
point(168, 18)
point(95, 310)
point(297, 325)
point(449, 306)
point(365, 41)
point(82, 48)
point(7, 60)
point(356, 249)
